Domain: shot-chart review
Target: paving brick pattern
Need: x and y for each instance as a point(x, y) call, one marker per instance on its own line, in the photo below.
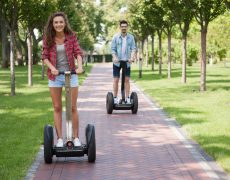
point(141, 146)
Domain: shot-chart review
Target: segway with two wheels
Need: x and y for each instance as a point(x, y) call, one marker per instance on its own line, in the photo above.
point(122, 105)
point(69, 150)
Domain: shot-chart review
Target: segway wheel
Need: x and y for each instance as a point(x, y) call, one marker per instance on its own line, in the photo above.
point(48, 144)
point(91, 143)
point(109, 103)
point(134, 98)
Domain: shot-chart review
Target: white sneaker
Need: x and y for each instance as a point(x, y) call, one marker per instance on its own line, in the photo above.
point(116, 100)
point(60, 143)
point(128, 100)
point(77, 142)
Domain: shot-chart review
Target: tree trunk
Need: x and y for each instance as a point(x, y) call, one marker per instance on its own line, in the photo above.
point(203, 60)
point(147, 52)
point(24, 45)
point(160, 52)
point(12, 72)
point(211, 60)
point(91, 56)
point(225, 63)
point(169, 54)
point(103, 58)
point(142, 49)
point(137, 52)
point(153, 51)
point(140, 59)
point(19, 53)
point(5, 63)
point(184, 57)
point(30, 59)
point(35, 48)
point(86, 59)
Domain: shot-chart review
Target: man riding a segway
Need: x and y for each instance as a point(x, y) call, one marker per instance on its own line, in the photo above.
point(123, 51)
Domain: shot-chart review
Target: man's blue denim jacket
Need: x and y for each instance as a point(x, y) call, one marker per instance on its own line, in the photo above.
point(116, 46)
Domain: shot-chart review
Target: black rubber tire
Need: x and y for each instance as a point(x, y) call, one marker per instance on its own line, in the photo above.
point(91, 143)
point(109, 103)
point(48, 144)
point(134, 99)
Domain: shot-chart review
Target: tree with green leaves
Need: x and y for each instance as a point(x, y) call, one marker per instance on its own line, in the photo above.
point(227, 3)
point(10, 11)
point(150, 15)
point(218, 38)
point(150, 12)
point(169, 22)
point(183, 13)
point(34, 14)
point(159, 24)
point(205, 12)
point(85, 18)
point(4, 40)
point(117, 11)
point(138, 24)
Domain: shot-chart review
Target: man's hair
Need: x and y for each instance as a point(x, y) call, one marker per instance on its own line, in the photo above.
point(123, 22)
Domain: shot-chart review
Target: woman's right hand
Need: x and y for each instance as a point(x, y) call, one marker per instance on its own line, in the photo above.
point(54, 71)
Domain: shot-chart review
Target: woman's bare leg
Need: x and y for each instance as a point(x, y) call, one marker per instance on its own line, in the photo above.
point(56, 95)
point(75, 121)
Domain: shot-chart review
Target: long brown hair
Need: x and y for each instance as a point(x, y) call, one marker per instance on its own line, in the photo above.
point(50, 31)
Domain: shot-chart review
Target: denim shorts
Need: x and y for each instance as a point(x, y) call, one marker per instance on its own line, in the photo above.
point(60, 81)
point(116, 71)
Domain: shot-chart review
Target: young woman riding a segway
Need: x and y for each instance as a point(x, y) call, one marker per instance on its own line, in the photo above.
point(60, 48)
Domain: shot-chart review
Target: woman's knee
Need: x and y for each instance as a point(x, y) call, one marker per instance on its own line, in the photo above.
point(126, 80)
point(58, 108)
point(74, 109)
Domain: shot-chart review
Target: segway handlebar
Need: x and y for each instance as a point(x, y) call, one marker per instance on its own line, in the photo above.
point(69, 72)
point(125, 61)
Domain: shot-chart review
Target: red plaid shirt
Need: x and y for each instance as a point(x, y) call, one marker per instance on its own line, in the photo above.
point(72, 49)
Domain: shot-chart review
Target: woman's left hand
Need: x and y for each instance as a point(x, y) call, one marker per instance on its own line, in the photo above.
point(80, 70)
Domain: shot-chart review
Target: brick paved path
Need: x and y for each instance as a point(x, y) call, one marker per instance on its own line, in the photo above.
point(143, 146)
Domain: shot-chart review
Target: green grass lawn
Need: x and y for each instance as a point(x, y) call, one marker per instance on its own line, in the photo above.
point(204, 116)
point(22, 118)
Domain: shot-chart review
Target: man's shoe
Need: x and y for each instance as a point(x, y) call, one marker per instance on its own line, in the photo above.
point(128, 100)
point(116, 100)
